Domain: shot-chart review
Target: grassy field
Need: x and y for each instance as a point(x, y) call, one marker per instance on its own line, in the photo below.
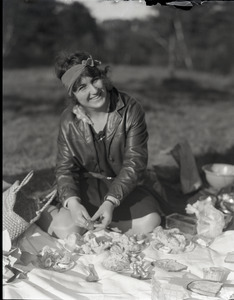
point(198, 107)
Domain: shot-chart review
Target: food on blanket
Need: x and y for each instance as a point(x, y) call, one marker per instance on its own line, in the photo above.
point(136, 274)
point(90, 225)
point(125, 254)
point(226, 203)
point(202, 240)
point(116, 249)
point(50, 258)
point(171, 241)
point(205, 287)
point(186, 223)
point(87, 244)
point(103, 239)
point(27, 258)
point(123, 243)
point(163, 289)
point(59, 267)
point(93, 276)
point(215, 273)
point(14, 273)
point(117, 262)
point(94, 243)
point(210, 221)
point(141, 271)
point(72, 241)
point(169, 265)
point(229, 257)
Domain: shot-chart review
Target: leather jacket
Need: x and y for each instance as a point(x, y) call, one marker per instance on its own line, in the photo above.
point(126, 148)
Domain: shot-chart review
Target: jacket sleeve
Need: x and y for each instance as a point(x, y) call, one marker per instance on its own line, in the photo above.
point(67, 170)
point(135, 157)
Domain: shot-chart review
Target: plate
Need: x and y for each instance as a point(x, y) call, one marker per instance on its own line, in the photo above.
point(123, 270)
point(205, 287)
point(59, 267)
point(158, 246)
point(63, 267)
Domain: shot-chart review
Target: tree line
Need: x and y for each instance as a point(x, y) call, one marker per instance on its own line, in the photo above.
point(34, 31)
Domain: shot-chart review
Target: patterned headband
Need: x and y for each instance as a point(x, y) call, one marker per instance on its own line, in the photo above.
point(69, 77)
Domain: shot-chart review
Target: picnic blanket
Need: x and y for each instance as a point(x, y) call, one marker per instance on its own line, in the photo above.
point(71, 285)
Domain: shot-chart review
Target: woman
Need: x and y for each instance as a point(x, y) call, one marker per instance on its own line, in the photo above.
point(102, 155)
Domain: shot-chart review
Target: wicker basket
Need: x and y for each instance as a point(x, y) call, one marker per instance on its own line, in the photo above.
point(20, 211)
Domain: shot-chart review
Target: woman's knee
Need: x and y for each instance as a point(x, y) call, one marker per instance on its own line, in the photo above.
point(57, 222)
point(151, 221)
point(146, 224)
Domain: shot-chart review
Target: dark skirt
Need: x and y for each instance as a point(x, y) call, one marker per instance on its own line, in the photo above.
point(139, 203)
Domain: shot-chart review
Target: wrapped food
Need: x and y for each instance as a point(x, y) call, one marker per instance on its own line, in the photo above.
point(117, 262)
point(93, 276)
point(169, 265)
point(210, 221)
point(186, 224)
point(51, 258)
point(229, 257)
point(215, 273)
point(171, 240)
point(205, 287)
point(87, 244)
point(163, 290)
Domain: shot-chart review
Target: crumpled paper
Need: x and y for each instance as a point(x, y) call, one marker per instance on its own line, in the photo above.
point(210, 221)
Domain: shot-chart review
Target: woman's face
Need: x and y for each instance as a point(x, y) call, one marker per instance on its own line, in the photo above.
point(91, 93)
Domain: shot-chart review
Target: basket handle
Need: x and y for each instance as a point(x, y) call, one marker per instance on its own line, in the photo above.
point(50, 198)
point(24, 182)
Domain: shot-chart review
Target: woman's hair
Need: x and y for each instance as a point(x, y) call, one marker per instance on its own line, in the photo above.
point(65, 61)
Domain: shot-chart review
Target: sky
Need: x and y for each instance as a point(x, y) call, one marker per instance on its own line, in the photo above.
point(117, 9)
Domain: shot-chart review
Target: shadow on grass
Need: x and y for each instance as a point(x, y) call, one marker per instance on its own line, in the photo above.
point(27, 106)
point(170, 90)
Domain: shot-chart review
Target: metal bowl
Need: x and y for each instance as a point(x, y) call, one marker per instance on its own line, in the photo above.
point(219, 175)
point(226, 203)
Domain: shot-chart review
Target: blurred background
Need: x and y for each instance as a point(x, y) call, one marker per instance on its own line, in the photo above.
point(178, 64)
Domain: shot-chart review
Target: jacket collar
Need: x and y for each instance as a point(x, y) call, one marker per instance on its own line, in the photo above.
point(114, 118)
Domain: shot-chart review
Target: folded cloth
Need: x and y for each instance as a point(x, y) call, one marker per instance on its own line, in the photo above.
point(176, 177)
point(189, 176)
point(177, 167)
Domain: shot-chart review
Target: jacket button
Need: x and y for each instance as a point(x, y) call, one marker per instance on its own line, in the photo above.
point(111, 158)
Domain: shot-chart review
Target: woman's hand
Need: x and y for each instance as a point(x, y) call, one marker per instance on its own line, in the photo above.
point(104, 213)
point(79, 213)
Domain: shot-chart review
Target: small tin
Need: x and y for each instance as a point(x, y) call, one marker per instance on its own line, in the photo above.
point(186, 224)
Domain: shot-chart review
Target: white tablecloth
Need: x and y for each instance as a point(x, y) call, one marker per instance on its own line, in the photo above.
point(71, 285)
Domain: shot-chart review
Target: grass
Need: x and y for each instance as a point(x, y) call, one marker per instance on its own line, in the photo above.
point(195, 106)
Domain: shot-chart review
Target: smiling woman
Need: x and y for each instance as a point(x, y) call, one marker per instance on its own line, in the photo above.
point(102, 155)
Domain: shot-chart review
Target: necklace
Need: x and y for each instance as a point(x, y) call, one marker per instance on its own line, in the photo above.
point(100, 123)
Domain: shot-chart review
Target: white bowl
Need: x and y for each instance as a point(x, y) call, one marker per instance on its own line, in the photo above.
point(219, 175)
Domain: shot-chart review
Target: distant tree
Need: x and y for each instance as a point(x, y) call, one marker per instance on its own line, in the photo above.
point(167, 30)
point(79, 29)
point(10, 9)
point(35, 30)
point(129, 42)
point(198, 38)
point(209, 33)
